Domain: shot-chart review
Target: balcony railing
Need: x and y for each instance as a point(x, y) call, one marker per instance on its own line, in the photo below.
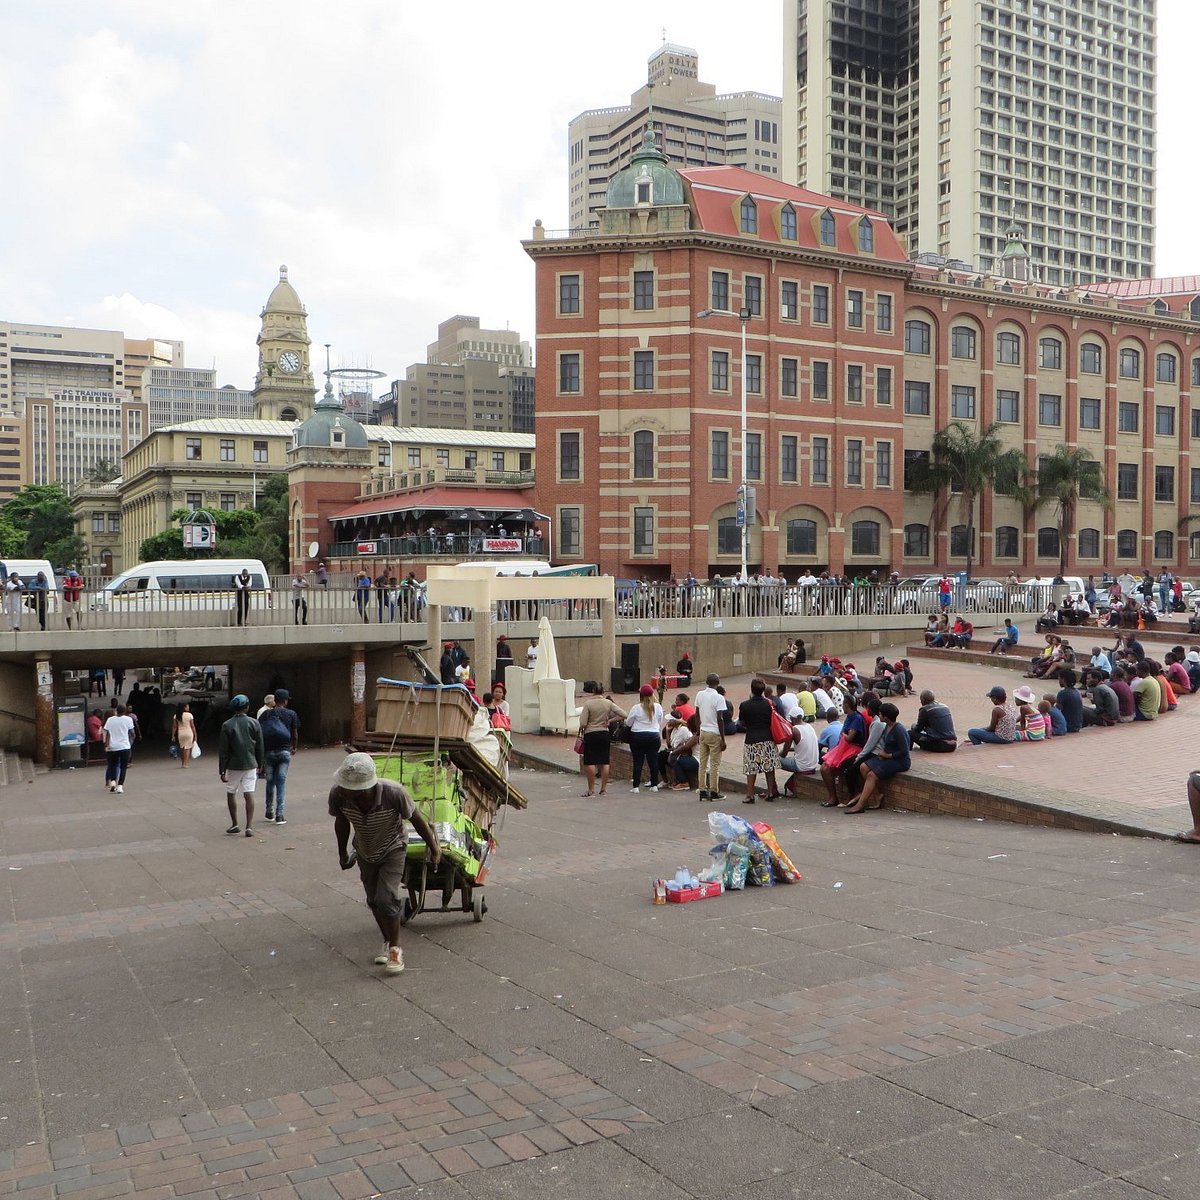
point(415, 478)
point(423, 546)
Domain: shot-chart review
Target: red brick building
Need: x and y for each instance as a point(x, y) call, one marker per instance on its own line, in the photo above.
point(855, 356)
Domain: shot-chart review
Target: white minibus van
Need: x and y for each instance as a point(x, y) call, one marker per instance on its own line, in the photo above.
point(179, 585)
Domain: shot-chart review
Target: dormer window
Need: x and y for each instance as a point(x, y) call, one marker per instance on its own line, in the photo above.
point(828, 231)
point(337, 435)
point(1194, 309)
point(749, 216)
point(866, 236)
point(787, 223)
point(643, 191)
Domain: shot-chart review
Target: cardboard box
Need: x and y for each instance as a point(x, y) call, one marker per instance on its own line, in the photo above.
point(705, 890)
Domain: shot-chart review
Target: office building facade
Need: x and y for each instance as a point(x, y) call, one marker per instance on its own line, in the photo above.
point(956, 118)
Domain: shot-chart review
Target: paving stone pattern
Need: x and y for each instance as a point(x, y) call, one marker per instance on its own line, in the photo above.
point(979, 1009)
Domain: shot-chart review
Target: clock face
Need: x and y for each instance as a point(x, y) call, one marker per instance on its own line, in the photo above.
point(289, 362)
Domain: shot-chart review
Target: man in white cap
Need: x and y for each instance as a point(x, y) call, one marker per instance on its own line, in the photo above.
point(376, 810)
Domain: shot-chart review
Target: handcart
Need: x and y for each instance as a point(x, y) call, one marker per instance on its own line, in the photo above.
point(438, 743)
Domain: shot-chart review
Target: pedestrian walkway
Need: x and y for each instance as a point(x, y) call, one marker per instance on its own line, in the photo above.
point(941, 1008)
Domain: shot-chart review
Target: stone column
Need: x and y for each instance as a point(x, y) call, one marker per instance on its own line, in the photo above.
point(608, 636)
point(433, 622)
point(43, 712)
point(484, 657)
point(358, 694)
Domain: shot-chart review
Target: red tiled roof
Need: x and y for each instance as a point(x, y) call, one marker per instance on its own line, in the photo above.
point(717, 191)
point(1149, 289)
point(486, 500)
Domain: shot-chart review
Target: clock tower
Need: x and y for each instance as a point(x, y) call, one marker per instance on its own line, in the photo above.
point(283, 387)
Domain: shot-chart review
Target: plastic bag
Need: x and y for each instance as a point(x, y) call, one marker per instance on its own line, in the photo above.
point(737, 862)
point(785, 869)
point(727, 827)
point(196, 751)
point(759, 872)
point(173, 749)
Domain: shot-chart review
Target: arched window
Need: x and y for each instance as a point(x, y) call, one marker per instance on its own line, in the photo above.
point(787, 223)
point(917, 337)
point(1008, 349)
point(1194, 309)
point(1164, 545)
point(1008, 541)
point(749, 215)
point(962, 341)
point(1164, 368)
point(1160, 308)
point(1130, 363)
point(802, 537)
point(643, 454)
point(962, 541)
point(828, 229)
point(1089, 358)
point(1089, 543)
point(729, 536)
point(289, 414)
point(1050, 351)
point(864, 539)
point(866, 236)
point(1047, 542)
point(916, 541)
point(1127, 541)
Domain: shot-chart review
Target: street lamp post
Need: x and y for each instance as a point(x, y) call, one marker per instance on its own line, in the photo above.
point(746, 513)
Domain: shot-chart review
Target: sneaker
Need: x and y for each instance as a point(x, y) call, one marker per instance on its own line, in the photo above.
point(382, 957)
point(249, 832)
point(395, 961)
point(235, 828)
point(703, 794)
point(120, 789)
point(716, 795)
point(654, 787)
point(635, 790)
point(270, 816)
point(280, 820)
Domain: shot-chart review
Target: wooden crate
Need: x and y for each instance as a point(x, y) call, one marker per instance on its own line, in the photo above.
point(421, 712)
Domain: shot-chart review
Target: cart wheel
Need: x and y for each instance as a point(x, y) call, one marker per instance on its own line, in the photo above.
point(478, 906)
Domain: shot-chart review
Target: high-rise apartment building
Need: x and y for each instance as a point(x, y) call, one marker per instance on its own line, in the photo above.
point(957, 118)
point(39, 360)
point(177, 394)
point(696, 128)
point(460, 338)
point(69, 432)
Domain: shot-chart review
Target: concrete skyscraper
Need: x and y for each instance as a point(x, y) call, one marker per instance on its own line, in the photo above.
point(959, 118)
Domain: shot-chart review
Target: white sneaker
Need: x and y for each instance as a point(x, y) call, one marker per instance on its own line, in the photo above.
point(395, 961)
point(382, 957)
point(635, 790)
point(654, 787)
point(120, 789)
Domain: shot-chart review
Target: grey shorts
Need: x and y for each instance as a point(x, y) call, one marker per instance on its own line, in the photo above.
point(383, 882)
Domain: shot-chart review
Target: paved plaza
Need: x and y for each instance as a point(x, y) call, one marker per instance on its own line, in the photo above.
point(942, 1008)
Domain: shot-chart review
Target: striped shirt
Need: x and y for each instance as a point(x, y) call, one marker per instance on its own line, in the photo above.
point(378, 821)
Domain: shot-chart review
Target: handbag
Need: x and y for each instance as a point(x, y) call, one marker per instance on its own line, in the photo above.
point(841, 753)
point(579, 744)
point(781, 731)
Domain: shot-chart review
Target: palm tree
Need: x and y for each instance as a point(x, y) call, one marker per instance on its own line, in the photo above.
point(1064, 478)
point(966, 463)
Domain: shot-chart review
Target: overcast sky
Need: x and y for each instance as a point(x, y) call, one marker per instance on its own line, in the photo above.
point(162, 159)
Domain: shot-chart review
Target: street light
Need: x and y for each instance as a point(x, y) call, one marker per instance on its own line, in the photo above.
point(745, 512)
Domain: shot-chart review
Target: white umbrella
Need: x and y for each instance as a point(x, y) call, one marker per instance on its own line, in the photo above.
point(546, 666)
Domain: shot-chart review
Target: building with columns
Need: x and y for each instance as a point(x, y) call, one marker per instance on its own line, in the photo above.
point(855, 357)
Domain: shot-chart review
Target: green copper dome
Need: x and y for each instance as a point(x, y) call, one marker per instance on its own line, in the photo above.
point(330, 426)
point(648, 181)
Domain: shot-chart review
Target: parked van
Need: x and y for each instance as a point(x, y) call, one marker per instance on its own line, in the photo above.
point(28, 568)
point(201, 585)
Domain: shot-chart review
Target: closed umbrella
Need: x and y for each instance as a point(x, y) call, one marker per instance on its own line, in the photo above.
point(546, 666)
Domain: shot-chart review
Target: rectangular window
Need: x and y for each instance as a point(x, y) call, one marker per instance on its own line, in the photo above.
point(568, 294)
point(498, 460)
point(643, 370)
point(643, 290)
point(915, 462)
point(192, 450)
point(568, 372)
point(718, 291)
point(1196, 422)
point(789, 454)
point(643, 531)
point(754, 373)
point(260, 452)
point(1008, 406)
point(883, 464)
point(1089, 413)
point(442, 457)
point(1164, 484)
point(194, 500)
point(720, 371)
point(1127, 481)
point(820, 381)
point(916, 398)
point(98, 520)
point(470, 459)
point(854, 384)
point(643, 454)
point(1127, 417)
point(568, 456)
point(820, 304)
point(753, 455)
point(384, 456)
point(962, 402)
point(753, 293)
point(789, 300)
point(414, 457)
point(524, 460)
point(569, 522)
point(1049, 410)
point(789, 376)
point(820, 460)
point(228, 501)
point(114, 522)
point(883, 313)
point(1164, 420)
point(1195, 488)
point(228, 451)
point(854, 461)
point(719, 456)
point(883, 387)
point(855, 309)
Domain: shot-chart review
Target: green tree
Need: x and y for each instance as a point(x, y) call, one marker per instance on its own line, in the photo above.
point(965, 464)
point(42, 512)
point(104, 470)
point(242, 533)
point(1064, 478)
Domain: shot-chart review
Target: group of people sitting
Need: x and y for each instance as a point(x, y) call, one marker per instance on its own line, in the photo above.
point(940, 632)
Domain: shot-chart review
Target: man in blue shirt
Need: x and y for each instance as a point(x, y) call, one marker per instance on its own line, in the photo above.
point(1069, 702)
point(832, 733)
point(281, 739)
point(1008, 639)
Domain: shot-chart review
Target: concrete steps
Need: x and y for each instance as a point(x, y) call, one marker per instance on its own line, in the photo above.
point(14, 769)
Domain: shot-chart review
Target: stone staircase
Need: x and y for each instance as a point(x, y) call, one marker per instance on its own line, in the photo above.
point(16, 768)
